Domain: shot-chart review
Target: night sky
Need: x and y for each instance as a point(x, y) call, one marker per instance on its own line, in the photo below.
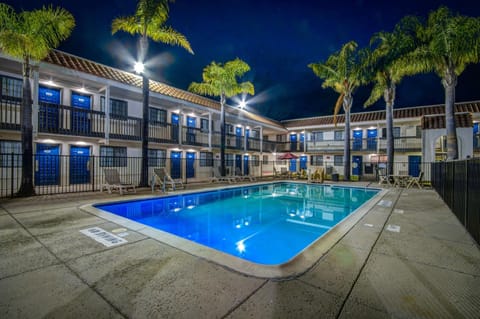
point(277, 38)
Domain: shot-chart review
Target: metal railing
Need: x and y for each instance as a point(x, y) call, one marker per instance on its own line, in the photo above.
point(458, 183)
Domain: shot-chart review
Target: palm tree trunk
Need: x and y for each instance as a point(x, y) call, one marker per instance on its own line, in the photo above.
point(222, 134)
point(347, 104)
point(389, 96)
point(449, 82)
point(145, 102)
point(26, 186)
point(144, 166)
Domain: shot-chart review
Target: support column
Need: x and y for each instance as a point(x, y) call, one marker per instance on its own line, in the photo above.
point(107, 114)
point(210, 129)
point(35, 107)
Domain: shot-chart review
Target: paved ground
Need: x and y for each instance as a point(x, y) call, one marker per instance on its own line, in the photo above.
point(429, 269)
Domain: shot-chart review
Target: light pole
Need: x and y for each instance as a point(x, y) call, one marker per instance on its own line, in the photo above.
point(140, 69)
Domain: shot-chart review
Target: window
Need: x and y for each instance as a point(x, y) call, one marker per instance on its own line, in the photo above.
point(317, 136)
point(338, 160)
point(11, 87)
point(316, 160)
point(228, 129)
point(158, 116)
point(280, 138)
point(339, 135)
point(156, 158)
point(265, 159)
point(204, 125)
point(118, 108)
point(229, 158)
point(255, 160)
point(418, 132)
point(6, 150)
point(206, 159)
point(396, 132)
point(111, 156)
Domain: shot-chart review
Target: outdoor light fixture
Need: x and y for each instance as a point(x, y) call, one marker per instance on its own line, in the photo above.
point(242, 104)
point(139, 67)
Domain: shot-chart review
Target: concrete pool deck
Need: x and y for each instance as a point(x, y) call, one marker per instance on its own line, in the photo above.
point(412, 259)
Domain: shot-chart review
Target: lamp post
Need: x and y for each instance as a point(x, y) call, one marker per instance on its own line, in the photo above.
point(140, 69)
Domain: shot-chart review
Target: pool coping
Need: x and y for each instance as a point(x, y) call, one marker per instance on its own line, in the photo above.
point(298, 265)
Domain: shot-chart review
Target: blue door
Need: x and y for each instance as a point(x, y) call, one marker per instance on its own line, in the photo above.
point(303, 162)
point(302, 141)
point(191, 124)
point(48, 110)
point(357, 140)
point(81, 107)
point(372, 139)
point(293, 165)
point(247, 136)
point(238, 137)
point(246, 170)
point(174, 134)
point(190, 164)
point(414, 162)
point(293, 142)
point(176, 165)
point(79, 159)
point(47, 166)
point(357, 165)
point(238, 163)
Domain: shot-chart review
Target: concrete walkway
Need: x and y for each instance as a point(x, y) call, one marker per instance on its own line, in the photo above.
point(411, 259)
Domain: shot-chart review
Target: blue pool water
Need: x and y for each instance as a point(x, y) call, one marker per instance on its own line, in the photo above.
point(265, 224)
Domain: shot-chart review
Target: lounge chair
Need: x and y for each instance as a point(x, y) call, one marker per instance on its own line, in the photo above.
point(165, 181)
point(112, 182)
point(383, 177)
point(317, 176)
point(242, 177)
point(217, 177)
point(416, 181)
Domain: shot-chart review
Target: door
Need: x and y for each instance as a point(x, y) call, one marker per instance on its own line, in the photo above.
point(48, 110)
point(357, 165)
point(190, 164)
point(247, 136)
point(293, 165)
point(174, 120)
point(238, 137)
point(293, 142)
point(238, 163)
point(303, 162)
point(372, 139)
point(476, 136)
point(414, 162)
point(80, 113)
point(79, 160)
point(47, 165)
point(246, 169)
point(302, 141)
point(176, 164)
point(191, 124)
point(357, 140)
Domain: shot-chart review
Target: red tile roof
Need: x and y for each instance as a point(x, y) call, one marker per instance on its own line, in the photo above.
point(401, 113)
point(438, 121)
point(86, 66)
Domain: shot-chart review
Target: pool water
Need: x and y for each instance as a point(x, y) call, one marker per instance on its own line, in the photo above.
point(266, 224)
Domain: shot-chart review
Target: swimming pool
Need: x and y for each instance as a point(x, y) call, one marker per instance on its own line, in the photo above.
point(266, 224)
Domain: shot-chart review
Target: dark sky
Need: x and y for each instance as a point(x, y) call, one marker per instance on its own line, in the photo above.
point(276, 38)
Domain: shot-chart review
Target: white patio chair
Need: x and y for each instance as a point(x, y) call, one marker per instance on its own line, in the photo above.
point(112, 182)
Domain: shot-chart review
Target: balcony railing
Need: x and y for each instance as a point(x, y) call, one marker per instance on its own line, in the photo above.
point(10, 113)
point(401, 144)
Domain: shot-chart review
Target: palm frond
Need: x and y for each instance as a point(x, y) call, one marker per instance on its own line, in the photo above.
point(337, 108)
point(376, 94)
point(127, 24)
point(169, 36)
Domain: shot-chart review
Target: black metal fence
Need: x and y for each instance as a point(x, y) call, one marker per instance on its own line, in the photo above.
point(458, 183)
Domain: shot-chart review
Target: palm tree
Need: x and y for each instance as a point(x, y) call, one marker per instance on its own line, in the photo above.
point(448, 44)
point(221, 80)
point(149, 22)
point(387, 71)
point(343, 73)
point(30, 36)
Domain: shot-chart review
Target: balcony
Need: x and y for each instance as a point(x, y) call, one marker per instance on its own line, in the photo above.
point(401, 144)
